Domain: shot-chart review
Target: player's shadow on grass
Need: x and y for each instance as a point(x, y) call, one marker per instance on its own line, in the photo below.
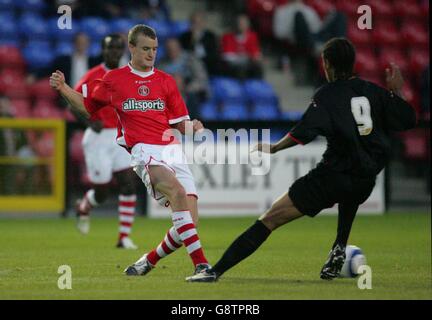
point(283, 281)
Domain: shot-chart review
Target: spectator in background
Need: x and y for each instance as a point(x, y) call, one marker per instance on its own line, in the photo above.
point(241, 51)
point(301, 26)
point(75, 65)
point(202, 42)
point(189, 72)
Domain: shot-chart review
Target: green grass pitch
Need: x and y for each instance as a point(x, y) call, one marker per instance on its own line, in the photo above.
point(397, 247)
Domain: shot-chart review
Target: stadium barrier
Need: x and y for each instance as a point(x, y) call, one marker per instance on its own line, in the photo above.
point(32, 177)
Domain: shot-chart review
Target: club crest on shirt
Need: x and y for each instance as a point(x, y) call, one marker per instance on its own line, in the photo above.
point(143, 91)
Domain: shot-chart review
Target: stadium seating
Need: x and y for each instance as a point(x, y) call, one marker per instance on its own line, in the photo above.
point(41, 90)
point(11, 57)
point(63, 48)
point(418, 60)
point(33, 26)
point(227, 90)
point(366, 62)
point(209, 111)
point(38, 54)
point(121, 25)
point(12, 83)
point(360, 38)
point(96, 28)
point(386, 33)
point(322, 7)
point(21, 108)
point(46, 110)
point(235, 111)
point(31, 5)
point(163, 28)
point(414, 34)
point(265, 111)
point(259, 91)
point(382, 9)
point(404, 8)
point(8, 26)
point(178, 27)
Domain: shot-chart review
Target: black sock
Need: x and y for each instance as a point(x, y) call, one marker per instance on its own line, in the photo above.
point(242, 247)
point(347, 213)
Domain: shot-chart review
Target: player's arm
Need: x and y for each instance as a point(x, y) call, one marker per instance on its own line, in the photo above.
point(187, 127)
point(74, 98)
point(400, 115)
point(284, 143)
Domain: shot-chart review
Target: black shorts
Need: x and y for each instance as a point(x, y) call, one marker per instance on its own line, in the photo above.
point(322, 188)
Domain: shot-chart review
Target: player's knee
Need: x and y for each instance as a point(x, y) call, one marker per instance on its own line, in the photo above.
point(178, 192)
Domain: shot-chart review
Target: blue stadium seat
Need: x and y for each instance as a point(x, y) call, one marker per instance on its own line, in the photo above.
point(96, 28)
point(31, 5)
point(8, 4)
point(277, 134)
point(161, 52)
point(33, 26)
point(227, 90)
point(8, 27)
point(265, 111)
point(259, 91)
point(38, 54)
point(235, 111)
point(292, 115)
point(63, 48)
point(163, 28)
point(209, 111)
point(178, 27)
point(95, 49)
point(121, 25)
point(9, 42)
point(62, 34)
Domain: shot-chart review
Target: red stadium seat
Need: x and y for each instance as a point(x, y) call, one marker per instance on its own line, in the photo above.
point(42, 90)
point(396, 56)
point(366, 62)
point(415, 143)
point(415, 34)
point(11, 57)
point(407, 9)
point(68, 116)
point(381, 9)
point(76, 152)
point(418, 60)
point(13, 84)
point(349, 7)
point(357, 36)
point(411, 96)
point(45, 109)
point(375, 78)
point(424, 7)
point(21, 108)
point(257, 8)
point(385, 33)
point(322, 7)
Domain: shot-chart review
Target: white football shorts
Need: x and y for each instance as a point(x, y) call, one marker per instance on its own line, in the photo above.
point(103, 155)
point(171, 157)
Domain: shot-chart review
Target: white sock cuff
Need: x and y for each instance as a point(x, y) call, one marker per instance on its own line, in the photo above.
point(91, 198)
point(180, 218)
point(128, 198)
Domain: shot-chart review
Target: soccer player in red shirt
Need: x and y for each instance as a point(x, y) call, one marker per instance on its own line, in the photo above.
point(148, 104)
point(103, 156)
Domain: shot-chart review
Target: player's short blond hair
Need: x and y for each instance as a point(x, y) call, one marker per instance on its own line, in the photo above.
point(140, 29)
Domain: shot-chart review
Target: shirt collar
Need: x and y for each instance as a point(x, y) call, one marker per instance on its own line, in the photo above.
point(141, 73)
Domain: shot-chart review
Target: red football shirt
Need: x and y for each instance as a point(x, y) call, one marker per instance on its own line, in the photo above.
point(106, 114)
point(147, 103)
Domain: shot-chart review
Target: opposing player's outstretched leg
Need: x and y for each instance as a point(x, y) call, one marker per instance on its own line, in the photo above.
point(183, 230)
point(92, 198)
point(126, 207)
point(336, 258)
point(281, 212)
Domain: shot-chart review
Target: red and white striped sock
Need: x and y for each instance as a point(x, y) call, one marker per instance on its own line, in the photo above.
point(169, 244)
point(126, 214)
point(185, 227)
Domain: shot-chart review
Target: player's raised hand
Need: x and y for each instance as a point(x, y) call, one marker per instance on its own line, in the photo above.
point(263, 147)
point(57, 80)
point(197, 125)
point(394, 78)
